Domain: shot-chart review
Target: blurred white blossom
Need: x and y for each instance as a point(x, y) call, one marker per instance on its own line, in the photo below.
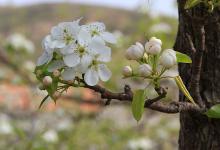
point(18, 42)
point(141, 144)
point(50, 136)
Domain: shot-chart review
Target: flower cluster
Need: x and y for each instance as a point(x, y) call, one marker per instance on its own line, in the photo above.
point(72, 50)
point(153, 61)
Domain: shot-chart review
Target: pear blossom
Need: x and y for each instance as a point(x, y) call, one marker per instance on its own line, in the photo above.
point(98, 29)
point(153, 46)
point(168, 58)
point(145, 70)
point(135, 52)
point(97, 70)
point(64, 34)
point(127, 71)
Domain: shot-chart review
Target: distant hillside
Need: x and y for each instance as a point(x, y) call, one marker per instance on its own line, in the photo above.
point(35, 21)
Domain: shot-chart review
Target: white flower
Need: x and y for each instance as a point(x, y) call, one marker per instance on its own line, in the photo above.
point(50, 136)
point(48, 51)
point(18, 41)
point(47, 80)
point(98, 29)
point(142, 143)
point(168, 58)
point(64, 34)
point(145, 70)
point(81, 52)
point(135, 52)
point(153, 46)
point(98, 70)
point(127, 71)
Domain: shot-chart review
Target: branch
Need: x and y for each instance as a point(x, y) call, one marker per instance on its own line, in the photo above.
point(154, 104)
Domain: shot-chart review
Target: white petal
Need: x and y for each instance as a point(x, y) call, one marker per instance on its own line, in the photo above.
point(97, 26)
point(71, 60)
point(104, 72)
point(91, 77)
point(56, 32)
point(84, 37)
point(85, 62)
point(109, 37)
point(105, 55)
point(69, 74)
point(96, 46)
point(44, 58)
point(57, 64)
point(68, 49)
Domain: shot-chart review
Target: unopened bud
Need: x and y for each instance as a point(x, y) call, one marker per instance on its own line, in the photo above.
point(135, 52)
point(47, 80)
point(168, 58)
point(127, 71)
point(153, 46)
point(145, 70)
point(56, 73)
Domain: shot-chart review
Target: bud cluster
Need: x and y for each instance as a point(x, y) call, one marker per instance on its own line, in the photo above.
point(152, 60)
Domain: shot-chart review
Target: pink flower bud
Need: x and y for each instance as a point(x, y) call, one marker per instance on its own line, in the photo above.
point(47, 80)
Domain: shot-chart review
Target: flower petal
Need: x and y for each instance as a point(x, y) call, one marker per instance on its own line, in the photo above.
point(68, 49)
point(57, 64)
point(96, 46)
point(85, 62)
point(91, 77)
point(104, 55)
point(44, 58)
point(104, 72)
point(71, 60)
point(109, 37)
point(69, 74)
point(84, 37)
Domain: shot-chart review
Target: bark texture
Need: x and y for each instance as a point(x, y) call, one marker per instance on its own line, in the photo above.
point(199, 36)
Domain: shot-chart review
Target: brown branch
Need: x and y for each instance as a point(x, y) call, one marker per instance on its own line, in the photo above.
point(154, 104)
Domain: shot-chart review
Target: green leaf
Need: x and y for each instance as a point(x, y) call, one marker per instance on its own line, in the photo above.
point(182, 87)
point(138, 104)
point(191, 3)
point(183, 58)
point(214, 111)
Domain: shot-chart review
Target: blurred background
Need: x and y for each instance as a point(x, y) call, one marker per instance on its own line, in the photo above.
point(79, 120)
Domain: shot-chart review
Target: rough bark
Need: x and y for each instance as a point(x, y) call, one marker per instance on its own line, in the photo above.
point(199, 36)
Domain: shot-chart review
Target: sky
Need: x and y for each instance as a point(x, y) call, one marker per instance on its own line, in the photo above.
point(159, 6)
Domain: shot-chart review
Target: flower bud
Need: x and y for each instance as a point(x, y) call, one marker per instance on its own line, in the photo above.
point(127, 71)
point(56, 73)
point(155, 41)
point(153, 46)
point(168, 58)
point(145, 70)
point(47, 80)
point(135, 52)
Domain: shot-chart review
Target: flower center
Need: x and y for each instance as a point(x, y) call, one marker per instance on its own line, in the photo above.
point(94, 32)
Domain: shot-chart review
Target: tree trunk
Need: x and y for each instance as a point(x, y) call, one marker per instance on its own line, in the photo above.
point(199, 36)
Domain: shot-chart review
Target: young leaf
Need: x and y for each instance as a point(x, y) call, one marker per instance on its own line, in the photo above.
point(182, 87)
point(138, 104)
point(191, 3)
point(183, 58)
point(214, 111)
